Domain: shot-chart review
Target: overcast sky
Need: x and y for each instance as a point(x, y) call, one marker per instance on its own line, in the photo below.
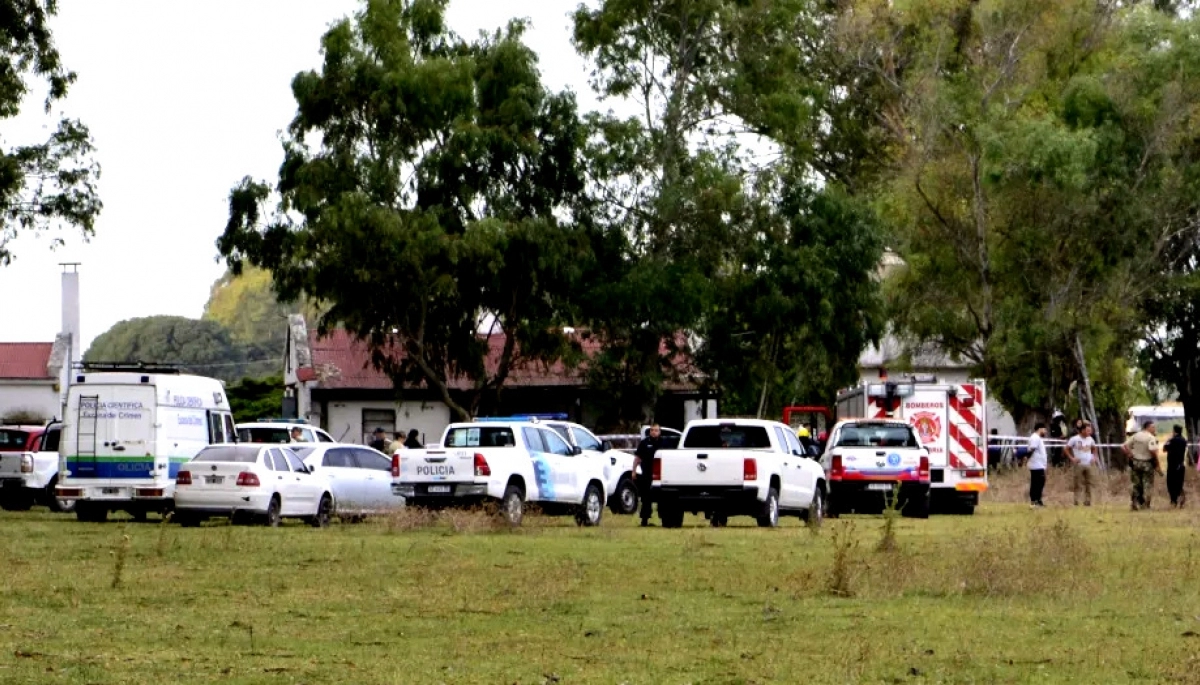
point(184, 99)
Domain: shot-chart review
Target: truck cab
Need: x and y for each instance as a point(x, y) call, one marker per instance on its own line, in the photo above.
point(874, 463)
point(29, 463)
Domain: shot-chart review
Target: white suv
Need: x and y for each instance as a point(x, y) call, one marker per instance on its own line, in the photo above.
point(280, 432)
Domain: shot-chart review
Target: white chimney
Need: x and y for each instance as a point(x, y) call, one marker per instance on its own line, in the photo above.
point(70, 309)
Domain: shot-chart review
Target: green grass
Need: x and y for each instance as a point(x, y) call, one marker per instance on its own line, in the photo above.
point(1010, 595)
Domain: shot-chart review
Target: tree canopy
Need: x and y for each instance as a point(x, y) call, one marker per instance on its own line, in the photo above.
point(201, 347)
point(444, 186)
point(46, 185)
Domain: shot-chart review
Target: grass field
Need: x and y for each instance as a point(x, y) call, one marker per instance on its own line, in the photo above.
point(1010, 595)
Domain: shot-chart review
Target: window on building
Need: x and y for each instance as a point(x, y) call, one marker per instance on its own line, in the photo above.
point(377, 418)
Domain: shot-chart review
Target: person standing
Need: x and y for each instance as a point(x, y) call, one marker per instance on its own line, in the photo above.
point(379, 440)
point(1037, 465)
point(1176, 449)
point(1141, 448)
point(644, 457)
point(412, 442)
point(395, 445)
point(1081, 450)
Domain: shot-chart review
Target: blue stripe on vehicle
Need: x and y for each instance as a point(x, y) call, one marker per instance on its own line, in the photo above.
point(541, 474)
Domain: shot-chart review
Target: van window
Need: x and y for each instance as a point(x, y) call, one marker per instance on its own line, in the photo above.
point(216, 429)
point(230, 430)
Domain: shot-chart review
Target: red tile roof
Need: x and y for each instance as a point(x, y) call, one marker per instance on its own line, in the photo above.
point(25, 361)
point(341, 361)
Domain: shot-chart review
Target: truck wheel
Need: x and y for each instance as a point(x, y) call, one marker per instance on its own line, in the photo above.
point(17, 501)
point(815, 513)
point(917, 508)
point(188, 520)
point(769, 515)
point(592, 509)
point(670, 515)
point(56, 505)
point(625, 500)
point(512, 505)
point(91, 513)
point(718, 520)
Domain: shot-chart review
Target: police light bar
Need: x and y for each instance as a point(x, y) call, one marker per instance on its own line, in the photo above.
point(296, 421)
point(554, 416)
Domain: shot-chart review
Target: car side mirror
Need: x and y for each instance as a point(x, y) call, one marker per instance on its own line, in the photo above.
point(605, 446)
point(576, 450)
point(311, 469)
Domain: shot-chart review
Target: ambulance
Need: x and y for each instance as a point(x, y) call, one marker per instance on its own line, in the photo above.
point(128, 429)
point(950, 420)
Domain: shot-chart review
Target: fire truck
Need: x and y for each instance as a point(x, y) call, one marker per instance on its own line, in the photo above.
point(950, 419)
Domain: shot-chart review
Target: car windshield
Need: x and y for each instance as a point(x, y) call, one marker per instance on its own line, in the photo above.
point(245, 455)
point(480, 436)
point(12, 440)
point(271, 435)
point(727, 435)
point(876, 435)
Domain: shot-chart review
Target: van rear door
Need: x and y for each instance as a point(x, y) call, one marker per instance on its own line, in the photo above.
point(113, 436)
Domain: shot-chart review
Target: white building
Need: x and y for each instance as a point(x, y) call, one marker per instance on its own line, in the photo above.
point(34, 375)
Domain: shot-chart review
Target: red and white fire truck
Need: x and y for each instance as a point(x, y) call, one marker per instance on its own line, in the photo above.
point(950, 419)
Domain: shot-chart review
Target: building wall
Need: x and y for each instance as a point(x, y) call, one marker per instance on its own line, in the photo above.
point(344, 419)
point(32, 396)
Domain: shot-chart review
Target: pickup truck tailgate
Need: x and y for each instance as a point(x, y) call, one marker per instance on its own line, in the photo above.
point(701, 466)
point(10, 464)
point(437, 466)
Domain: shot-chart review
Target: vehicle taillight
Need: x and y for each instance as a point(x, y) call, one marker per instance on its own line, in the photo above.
point(656, 469)
point(836, 470)
point(26, 463)
point(481, 466)
point(749, 469)
point(248, 479)
point(395, 466)
point(923, 470)
point(973, 473)
point(184, 478)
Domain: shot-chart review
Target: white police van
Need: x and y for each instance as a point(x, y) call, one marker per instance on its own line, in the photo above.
point(128, 429)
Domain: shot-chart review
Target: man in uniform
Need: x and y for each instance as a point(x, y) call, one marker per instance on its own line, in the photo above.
point(379, 440)
point(1141, 449)
point(644, 457)
point(1176, 449)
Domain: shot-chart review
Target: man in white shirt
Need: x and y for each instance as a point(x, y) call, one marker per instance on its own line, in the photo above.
point(1081, 450)
point(1037, 465)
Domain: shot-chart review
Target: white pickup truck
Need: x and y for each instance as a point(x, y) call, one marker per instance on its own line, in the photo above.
point(874, 463)
point(510, 462)
point(29, 467)
point(732, 467)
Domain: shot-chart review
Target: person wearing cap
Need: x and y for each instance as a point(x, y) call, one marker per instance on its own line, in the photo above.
point(806, 441)
point(1142, 449)
point(379, 441)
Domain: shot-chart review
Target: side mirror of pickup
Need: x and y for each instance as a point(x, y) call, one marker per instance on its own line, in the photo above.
point(605, 446)
point(576, 450)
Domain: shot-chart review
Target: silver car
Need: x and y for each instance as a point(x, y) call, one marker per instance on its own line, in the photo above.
point(361, 477)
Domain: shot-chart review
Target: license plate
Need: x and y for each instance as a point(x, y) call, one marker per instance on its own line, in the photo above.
point(880, 486)
point(214, 480)
point(439, 488)
point(110, 491)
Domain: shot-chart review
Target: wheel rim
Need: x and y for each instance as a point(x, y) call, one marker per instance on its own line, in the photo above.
point(273, 513)
point(593, 505)
point(512, 509)
point(774, 510)
point(818, 509)
point(628, 499)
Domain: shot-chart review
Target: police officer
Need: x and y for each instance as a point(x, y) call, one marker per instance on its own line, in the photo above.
point(1176, 449)
point(644, 457)
point(379, 442)
point(1141, 448)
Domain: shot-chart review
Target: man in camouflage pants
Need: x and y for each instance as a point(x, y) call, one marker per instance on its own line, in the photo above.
point(1141, 449)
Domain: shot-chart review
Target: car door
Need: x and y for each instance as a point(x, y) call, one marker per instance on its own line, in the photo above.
point(564, 467)
point(308, 485)
point(788, 476)
point(375, 480)
point(340, 469)
point(282, 482)
point(802, 468)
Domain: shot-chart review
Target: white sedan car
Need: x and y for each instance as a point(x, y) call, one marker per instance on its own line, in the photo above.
point(265, 482)
point(361, 477)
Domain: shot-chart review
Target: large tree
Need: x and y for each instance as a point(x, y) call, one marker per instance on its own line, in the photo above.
point(49, 184)
point(1038, 178)
point(200, 347)
point(430, 184)
point(722, 188)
